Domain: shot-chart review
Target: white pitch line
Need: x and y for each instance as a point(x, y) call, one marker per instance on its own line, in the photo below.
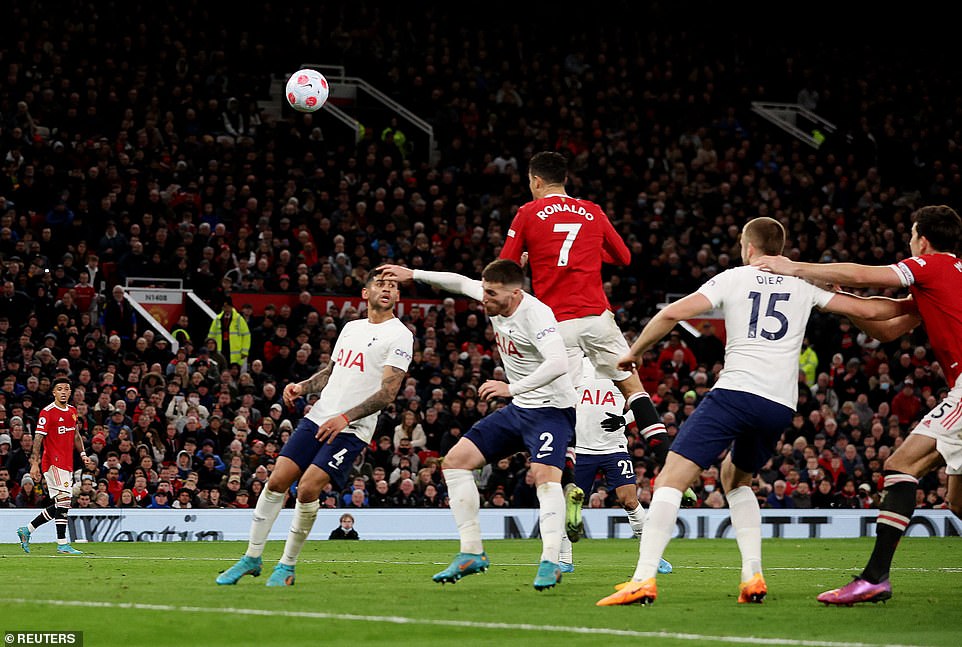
point(905, 569)
point(401, 620)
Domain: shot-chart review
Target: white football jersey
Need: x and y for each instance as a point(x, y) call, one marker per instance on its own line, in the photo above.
point(765, 319)
point(360, 354)
point(596, 397)
point(524, 340)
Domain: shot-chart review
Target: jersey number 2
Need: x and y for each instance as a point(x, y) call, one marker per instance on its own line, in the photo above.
point(770, 311)
point(571, 229)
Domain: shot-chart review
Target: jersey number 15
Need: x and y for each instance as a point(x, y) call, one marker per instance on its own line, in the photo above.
point(771, 310)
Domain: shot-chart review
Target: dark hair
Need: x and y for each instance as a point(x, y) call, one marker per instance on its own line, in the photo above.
point(61, 380)
point(550, 166)
point(941, 225)
point(504, 271)
point(766, 234)
point(373, 276)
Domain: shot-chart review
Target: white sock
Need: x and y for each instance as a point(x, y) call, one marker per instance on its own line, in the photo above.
point(566, 555)
point(659, 526)
point(636, 519)
point(465, 503)
point(301, 524)
point(747, 522)
point(269, 505)
point(551, 520)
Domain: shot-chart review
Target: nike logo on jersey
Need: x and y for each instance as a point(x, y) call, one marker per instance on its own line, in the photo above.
point(542, 455)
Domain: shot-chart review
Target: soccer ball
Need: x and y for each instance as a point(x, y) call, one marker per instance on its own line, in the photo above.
point(307, 90)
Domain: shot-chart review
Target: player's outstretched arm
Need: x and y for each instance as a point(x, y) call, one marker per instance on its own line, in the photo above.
point(848, 274)
point(661, 324)
point(883, 318)
point(448, 281)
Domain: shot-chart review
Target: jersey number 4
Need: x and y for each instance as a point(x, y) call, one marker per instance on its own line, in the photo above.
point(771, 310)
point(571, 230)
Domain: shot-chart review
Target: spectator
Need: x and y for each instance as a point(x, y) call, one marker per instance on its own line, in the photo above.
point(381, 497)
point(241, 500)
point(411, 431)
point(160, 500)
point(823, 496)
point(184, 500)
point(345, 528)
point(802, 496)
point(231, 334)
point(119, 317)
point(6, 501)
point(778, 497)
point(906, 405)
point(406, 496)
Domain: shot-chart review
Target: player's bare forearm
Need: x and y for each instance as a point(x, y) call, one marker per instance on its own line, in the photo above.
point(37, 449)
point(874, 308)
point(390, 385)
point(317, 382)
point(667, 318)
point(848, 274)
point(78, 442)
point(659, 326)
point(888, 329)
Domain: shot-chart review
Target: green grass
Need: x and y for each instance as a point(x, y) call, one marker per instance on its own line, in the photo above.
point(368, 592)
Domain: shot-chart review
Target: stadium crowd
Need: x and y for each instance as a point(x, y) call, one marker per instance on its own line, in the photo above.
point(147, 155)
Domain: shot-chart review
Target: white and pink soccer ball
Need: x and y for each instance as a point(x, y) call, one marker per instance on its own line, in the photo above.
point(307, 90)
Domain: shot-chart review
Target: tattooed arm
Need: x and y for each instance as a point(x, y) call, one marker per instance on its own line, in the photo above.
point(390, 385)
point(313, 384)
point(35, 457)
point(391, 380)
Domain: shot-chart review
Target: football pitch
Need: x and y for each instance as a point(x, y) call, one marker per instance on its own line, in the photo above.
point(380, 592)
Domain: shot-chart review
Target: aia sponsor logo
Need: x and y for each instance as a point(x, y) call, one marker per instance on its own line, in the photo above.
point(349, 359)
point(506, 345)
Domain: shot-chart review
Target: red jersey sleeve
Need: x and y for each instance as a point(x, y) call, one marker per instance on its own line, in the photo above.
point(614, 251)
point(514, 241)
point(935, 281)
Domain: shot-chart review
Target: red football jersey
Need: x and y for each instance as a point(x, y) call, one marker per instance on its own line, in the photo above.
point(567, 240)
point(935, 281)
point(59, 428)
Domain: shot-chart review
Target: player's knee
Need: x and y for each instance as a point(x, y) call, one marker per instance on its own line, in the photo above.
point(278, 482)
point(310, 489)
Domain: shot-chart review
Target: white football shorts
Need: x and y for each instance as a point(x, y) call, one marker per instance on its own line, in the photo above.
point(599, 339)
point(944, 424)
point(59, 481)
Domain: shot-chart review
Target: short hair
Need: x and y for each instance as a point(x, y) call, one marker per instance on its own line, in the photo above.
point(61, 380)
point(766, 234)
point(940, 224)
point(550, 166)
point(347, 515)
point(373, 276)
point(504, 271)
